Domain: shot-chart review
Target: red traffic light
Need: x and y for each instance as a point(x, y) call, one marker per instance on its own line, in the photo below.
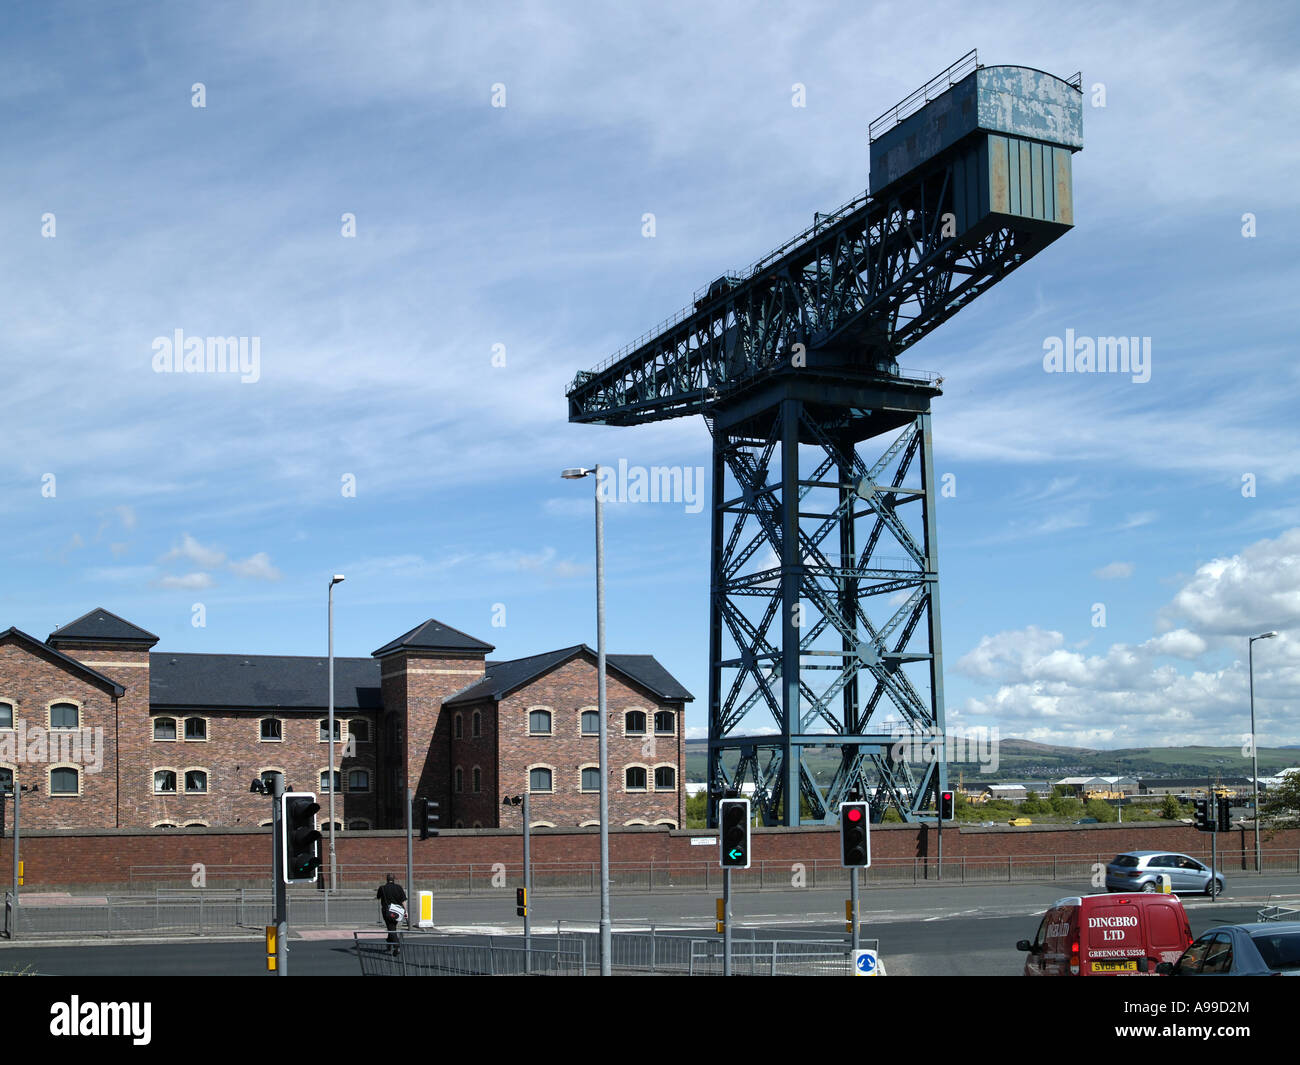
point(854, 814)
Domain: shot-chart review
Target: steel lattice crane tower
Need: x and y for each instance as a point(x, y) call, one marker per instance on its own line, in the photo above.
point(824, 593)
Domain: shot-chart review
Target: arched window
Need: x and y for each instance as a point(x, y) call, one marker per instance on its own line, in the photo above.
point(591, 778)
point(164, 728)
point(635, 723)
point(476, 726)
point(478, 779)
point(665, 778)
point(460, 726)
point(358, 826)
point(164, 782)
point(272, 730)
point(539, 779)
point(359, 729)
point(359, 780)
point(591, 722)
point(6, 781)
point(196, 728)
point(196, 782)
point(325, 730)
point(65, 781)
point(325, 780)
point(539, 722)
point(64, 715)
point(6, 715)
point(665, 723)
point(635, 778)
point(460, 779)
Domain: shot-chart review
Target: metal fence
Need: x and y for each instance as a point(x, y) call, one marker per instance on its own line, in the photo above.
point(427, 955)
point(577, 953)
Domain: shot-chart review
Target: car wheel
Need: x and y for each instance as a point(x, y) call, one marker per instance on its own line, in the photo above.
point(1218, 887)
point(1149, 887)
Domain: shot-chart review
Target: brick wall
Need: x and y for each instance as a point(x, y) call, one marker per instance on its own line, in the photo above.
point(565, 692)
point(67, 859)
point(30, 680)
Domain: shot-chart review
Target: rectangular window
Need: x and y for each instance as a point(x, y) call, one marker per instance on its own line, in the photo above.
point(196, 728)
point(164, 728)
point(271, 729)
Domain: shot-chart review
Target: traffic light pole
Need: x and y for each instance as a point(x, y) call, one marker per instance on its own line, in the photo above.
point(13, 926)
point(528, 892)
point(1214, 846)
point(853, 905)
point(280, 890)
point(726, 922)
point(410, 878)
point(855, 879)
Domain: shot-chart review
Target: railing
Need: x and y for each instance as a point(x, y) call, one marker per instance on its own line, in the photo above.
point(577, 953)
point(912, 103)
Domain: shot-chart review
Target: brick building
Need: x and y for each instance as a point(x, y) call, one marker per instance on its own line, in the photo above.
point(113, 734)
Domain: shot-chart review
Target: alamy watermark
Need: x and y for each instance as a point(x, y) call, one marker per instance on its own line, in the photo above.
point(1071, 354)
point(233, 355)
point(656, 484)
point(35, 745)
point(979, 745)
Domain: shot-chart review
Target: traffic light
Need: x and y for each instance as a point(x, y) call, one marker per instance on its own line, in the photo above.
point(521, 902)
point(1225, 814)
point(301, 852)
point(427, 815)
point(1203, 815)
point(945, 805)
point(855, 835)
point(733, 833)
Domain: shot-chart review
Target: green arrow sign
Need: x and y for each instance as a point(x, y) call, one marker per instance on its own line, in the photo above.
point(736, 853)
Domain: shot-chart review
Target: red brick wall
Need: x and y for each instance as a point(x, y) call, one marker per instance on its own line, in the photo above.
point(106, 857)
point(469, 808)
point(566, 691)
point(31, 680)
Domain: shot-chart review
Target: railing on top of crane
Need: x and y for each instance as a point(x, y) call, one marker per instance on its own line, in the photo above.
point(820, 221)
point(936, 86)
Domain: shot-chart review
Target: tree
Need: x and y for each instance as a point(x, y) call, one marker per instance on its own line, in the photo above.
point(1280, 805)
point(1032, 805)
point(1171, 809)
point(697, 808)
point(1102, 811)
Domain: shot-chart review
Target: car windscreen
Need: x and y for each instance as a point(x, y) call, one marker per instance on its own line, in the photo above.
point(1280, 950)
point(1126, 861)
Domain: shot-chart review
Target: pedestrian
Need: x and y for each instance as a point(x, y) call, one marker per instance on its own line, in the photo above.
point(392, 908)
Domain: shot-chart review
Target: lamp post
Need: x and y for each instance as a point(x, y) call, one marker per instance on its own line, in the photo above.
point(573, 474)
point(330, 776)
point(1254, 746)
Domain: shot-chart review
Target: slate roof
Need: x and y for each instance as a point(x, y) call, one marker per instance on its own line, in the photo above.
point(102, 626)
point(72, 663)
point(262, 682)
point(505, 677)
point(433, 635)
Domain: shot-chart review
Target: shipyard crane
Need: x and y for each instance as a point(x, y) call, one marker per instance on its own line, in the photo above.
point(824, 591)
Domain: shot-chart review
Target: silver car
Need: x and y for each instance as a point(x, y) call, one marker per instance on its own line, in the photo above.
point(1141, 870)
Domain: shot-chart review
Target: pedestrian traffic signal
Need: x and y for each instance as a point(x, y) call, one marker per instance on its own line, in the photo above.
point(855, 835)
point(427, 815)
point(521, 902)
point(733, 833)
point(1225, 814)
point(301, 852)
point(945, 805)
point(1203, 816)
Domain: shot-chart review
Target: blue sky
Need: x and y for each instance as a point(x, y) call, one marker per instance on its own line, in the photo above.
point(478, 226)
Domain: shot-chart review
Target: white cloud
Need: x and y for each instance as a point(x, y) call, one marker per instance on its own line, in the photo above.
point(1179, 643)
point(1245, 594)
point(257, 567)
point(193, 551)
point(1114, 571)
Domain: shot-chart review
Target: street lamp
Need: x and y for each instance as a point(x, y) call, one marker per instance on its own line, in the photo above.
point(575, 473)
point(1254, 746)
point(338, 578)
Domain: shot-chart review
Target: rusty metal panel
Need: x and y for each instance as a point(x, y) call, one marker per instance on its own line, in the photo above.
point(1024, 103)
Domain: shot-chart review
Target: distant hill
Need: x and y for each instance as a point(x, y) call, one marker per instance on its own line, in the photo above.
point(1028, 760)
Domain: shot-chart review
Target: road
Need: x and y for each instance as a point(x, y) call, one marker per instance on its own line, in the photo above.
point(927, 930)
